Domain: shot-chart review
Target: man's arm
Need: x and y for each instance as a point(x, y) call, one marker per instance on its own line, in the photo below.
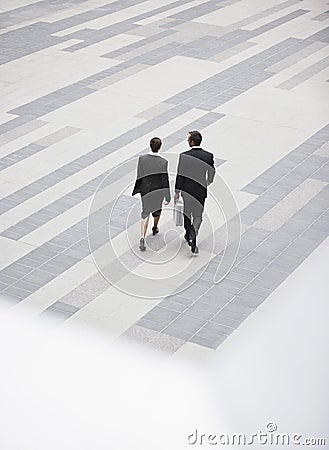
point(211, 171)
point(165, 182)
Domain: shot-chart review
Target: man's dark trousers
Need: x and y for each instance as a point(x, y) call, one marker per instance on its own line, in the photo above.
point(193, 211)
point(195, 171)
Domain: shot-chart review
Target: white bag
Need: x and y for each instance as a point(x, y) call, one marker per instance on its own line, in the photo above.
point(178, 213)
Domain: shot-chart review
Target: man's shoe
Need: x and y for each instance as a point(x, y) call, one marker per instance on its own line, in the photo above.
point(142, 245)
point(155, 230)
point(194, 248)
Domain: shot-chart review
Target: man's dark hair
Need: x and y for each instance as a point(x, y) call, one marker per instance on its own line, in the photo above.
point(155, 144)
point(196, 137)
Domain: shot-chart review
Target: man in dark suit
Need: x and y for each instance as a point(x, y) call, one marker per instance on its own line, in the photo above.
point(195, 172)
point(153, 184)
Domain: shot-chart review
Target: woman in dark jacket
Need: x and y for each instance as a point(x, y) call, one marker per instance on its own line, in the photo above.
point(153, 184)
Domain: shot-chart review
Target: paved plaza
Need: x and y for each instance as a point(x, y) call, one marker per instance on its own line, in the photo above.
point(85, 85)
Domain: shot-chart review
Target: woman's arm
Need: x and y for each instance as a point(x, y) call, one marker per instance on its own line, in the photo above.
point(137, 187)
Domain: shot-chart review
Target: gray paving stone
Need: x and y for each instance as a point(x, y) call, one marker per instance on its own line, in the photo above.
point(321, 17)
point(239, 277)
point(87, 291)
point(293, 228)
point(186, 323)
point(153, 339)
point(217, 299)
point(26, 285)
point(321, 224)
point(163, 312)
point(286, 263)
point(179, 333)
point(19, 269)
point(139, 334)
point(256, 289)
point(12, 272)
point(16, 292)
point(40, 278)
point(61, 306)
point(241, 310)
point(26, 40)
point(256, 233)
point(257, 190)
point(210, 343)
point(247, 244)
point(7, 279)
point(150, 325)
point(225, 290)
point(305, 74)
point(248, 273)
point(323, 150)
point(248, 299)
point(202, 310)
point(302, 51)
point(196, 11)
point(267, 251)
point(173, 305)
point(193, 290)
point(160, 319)
point(55, 316)
point(54, 269)
point(211, 330)
point(166, 343)
point(230, 283)
point(314, 233)
point(249, 216)
point(302, 247)
point(269, 285)
point(222, 318)
point(322, 174)
point(252, 263)
point(36, 257)
point(307, 215)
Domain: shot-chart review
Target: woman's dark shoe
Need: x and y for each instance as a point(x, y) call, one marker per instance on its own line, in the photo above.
point(155, 230)
point(142, 245)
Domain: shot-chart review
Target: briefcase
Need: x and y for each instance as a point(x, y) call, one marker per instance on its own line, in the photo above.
point(178, 213)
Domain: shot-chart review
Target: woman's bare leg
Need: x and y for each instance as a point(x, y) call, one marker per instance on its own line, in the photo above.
point(144, 225)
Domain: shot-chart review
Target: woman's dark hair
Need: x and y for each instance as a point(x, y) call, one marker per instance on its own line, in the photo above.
point(155, 144)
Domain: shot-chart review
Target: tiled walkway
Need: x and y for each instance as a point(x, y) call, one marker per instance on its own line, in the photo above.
point(86, 84)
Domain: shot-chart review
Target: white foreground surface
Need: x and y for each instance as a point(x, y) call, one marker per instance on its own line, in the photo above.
point(67, 390)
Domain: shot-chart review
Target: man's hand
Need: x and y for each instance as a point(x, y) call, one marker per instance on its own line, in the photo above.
point(166, 203)
point(176, 197)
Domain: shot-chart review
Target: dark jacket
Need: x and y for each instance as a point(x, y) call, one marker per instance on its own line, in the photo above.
point(196, 170)
point(152, 174)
